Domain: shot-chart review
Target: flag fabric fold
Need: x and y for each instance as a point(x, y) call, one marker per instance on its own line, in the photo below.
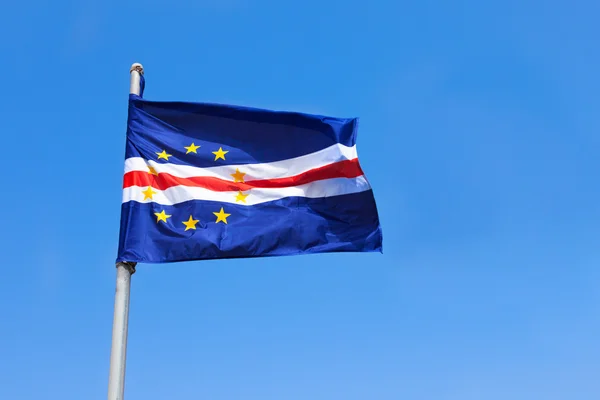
point(208, 181)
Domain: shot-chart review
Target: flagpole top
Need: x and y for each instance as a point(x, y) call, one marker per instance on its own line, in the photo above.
point(137, 67)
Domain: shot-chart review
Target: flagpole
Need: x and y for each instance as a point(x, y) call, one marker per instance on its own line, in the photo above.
point(118, 351)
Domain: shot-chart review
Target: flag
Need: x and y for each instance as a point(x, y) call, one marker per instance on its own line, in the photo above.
point(209, 181)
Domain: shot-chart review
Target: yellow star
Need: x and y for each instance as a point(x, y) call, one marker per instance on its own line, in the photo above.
point(148, 193)
point(164, 155)
point(238, 176)
point(191, 148)
point(152, 171)
point(241, 197)
point(190, 223)
point(220, 153)
point(221, 216)
point(161, 216)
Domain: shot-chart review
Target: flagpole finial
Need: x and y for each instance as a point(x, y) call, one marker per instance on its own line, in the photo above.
point(137, 67)
point(136, 72)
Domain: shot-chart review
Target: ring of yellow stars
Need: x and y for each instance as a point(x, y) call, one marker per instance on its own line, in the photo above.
point(161, 216)
point(164, 155)
point(190, 223)
point(148, 193)
point(191, 148)
point(241, 197)
point(152, 171)
point(220, 153)
point(221, 216)
point(238, 176)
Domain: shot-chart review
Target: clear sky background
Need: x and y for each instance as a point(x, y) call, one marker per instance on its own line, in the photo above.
point(479, 133)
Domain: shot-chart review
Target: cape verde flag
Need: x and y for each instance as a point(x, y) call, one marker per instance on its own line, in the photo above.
point(206, 181)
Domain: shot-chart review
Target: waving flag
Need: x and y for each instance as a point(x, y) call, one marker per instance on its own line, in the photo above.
point(206, 181)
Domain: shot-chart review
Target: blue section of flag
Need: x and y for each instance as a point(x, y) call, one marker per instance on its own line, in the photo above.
point(249, 135)
point(290, 226)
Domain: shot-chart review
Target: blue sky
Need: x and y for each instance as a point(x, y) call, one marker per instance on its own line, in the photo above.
point(479, 134)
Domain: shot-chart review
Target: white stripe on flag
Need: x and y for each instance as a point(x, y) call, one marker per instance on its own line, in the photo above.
point(179, 194)
point(276, 169)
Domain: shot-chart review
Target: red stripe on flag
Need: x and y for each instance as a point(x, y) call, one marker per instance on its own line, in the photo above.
point(341, 169)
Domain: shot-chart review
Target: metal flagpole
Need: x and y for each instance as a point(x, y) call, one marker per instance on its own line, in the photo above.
point(118, 352)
